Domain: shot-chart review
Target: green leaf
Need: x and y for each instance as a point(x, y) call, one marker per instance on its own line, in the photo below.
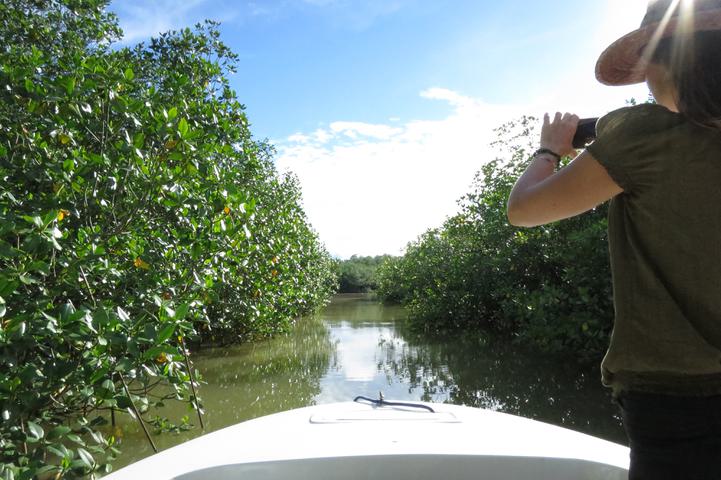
point(172, 113)
point(67, 311)
point(129, 74)
point(35, 220)
point(75, 438)
point(98, 374)
point(7, 287)
point(124, 365)
point(19, 327)
point(166, 332)
point(69, 84)
point(27, 280)
point(182, 127)
point(139, 140)
point(98, 437)
point(168, 311)
point(35, 430)
point(85, 457)
point(123, 315)
point(58, 432)
point(156, 351)
point(45, 470)
point(109, 385)
point(59, 450)
point(181, 311)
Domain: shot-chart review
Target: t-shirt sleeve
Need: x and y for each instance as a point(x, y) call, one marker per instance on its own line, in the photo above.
point(628, 143)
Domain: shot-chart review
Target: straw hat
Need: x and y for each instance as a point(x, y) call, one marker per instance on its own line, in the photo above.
point(625, 61)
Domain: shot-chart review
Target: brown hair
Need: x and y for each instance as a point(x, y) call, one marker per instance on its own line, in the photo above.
point(695, 65)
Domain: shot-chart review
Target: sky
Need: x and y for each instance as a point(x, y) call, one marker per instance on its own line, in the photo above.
point(385, 109)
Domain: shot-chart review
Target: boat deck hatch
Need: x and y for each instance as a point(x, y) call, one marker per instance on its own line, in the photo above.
point(383, 415)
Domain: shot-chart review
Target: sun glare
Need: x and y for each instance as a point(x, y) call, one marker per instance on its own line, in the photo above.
point(685, 24)
point(621, 17)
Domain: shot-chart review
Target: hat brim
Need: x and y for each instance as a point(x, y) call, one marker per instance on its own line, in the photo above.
point(624, 63)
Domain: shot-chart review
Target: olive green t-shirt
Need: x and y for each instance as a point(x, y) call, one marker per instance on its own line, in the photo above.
point(665, 244)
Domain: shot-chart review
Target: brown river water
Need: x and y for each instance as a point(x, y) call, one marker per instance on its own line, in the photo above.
point(358, 346)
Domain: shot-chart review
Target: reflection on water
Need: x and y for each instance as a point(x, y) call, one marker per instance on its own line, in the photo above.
point(358, 346)
point(480, 372)
point(377, 352)
point(245, 382)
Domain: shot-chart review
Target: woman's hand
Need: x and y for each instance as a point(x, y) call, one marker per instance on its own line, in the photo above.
point(541, 196)
point(557, 135)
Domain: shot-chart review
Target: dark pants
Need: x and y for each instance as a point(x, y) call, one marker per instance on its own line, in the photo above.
point(673, 437)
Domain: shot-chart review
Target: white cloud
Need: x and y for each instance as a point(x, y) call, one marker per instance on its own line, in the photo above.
point(369, 189)
point(355, 130)
point(142, 19)
point(299, 138)
point(455, 99)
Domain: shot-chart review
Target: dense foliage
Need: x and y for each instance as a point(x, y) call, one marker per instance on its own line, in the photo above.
point(138, 218)
point(358, 274)
point(549, 286)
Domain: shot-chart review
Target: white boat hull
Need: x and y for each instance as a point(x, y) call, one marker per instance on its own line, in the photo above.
point(357, 441)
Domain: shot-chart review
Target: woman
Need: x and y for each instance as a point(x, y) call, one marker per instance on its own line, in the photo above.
point(660, 165)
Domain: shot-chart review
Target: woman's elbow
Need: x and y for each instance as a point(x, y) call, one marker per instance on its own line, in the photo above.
point(517, 216)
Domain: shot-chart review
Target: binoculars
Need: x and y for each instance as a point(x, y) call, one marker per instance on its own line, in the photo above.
point(585, 132)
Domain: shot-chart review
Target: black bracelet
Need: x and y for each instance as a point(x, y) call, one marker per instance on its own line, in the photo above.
point(541, 151)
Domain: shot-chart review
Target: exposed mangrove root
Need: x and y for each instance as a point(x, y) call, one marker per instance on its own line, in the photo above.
point(186, 354)
point(137, 414)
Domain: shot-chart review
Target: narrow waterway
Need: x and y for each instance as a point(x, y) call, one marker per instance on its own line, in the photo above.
point(357, 346)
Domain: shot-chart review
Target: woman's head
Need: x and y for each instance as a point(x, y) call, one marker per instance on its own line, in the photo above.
point(624, 62)
point(689, 71)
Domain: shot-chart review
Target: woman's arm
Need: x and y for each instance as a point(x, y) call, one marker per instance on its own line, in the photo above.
point(541, 196)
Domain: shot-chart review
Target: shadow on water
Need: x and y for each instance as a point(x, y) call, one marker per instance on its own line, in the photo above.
point(357, 346)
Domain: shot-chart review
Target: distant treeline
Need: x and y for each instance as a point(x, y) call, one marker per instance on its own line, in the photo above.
point(358, 274)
